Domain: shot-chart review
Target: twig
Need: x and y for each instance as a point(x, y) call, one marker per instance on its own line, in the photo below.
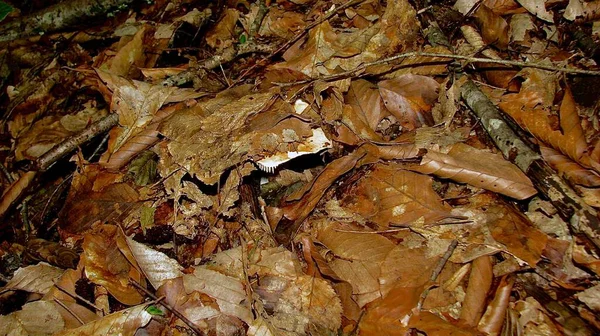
point(363, 67)
point(228, 55)
point(60, 303)
point(168, 306)
point(25, 217)
point(437, 270)
point(45, 161)
point(77, 296)
point(6, 173)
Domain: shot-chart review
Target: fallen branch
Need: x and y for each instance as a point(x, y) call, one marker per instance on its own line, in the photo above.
point(57, 152)
point(226, 56)
point(581, 217)
point(18, 188)
point(60, 16)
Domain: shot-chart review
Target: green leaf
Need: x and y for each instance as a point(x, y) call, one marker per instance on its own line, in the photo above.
point(243, 38)
point(154, 310)
point(146, 218)
point(143, 168)
point(5, 9)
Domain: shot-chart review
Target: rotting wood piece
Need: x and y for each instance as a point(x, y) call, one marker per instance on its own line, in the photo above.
point(581, 217)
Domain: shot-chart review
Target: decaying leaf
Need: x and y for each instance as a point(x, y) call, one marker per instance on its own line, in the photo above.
point(125, 322)
point(105, 265)
point(36, 318)
point(34, 279)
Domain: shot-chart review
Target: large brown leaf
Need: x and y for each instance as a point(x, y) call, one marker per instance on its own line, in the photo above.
point(482, 169)
point(95, 196)
point(391, 196)
point(409, 98)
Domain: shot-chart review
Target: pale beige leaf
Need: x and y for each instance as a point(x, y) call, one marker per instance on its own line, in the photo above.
point(157, 266)
point(260, 327)
point(537, 8)
point(229, 292)
point(35, 318)
point(34, 279)
point(122, 323)
point(591, 297)
point(479, 168)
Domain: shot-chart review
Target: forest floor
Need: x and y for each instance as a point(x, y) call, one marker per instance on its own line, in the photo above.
point(300, 167)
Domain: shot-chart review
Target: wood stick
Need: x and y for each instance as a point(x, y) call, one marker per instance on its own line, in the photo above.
point(581, 217)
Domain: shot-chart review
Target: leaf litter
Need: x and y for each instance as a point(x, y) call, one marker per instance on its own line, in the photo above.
point(284, 168)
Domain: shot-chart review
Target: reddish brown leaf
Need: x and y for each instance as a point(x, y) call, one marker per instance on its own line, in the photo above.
point(385, 316)
point(105, 265)
point(391, 196)
point(480, 282)
point(91, 200)
point(494, 28)
point(432, 324)
point(570, 169)
point(479, 168)
point(409, 98)
point(515, 231)
point(493, 319)
point(311, 194)
point(364, 98)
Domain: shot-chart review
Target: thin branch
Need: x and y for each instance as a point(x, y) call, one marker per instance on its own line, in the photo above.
point(77, 296)
point(45, 161)
point(60, 303)
point(6, 173)
point(363, 67)
point(437, 270)
point(168, 306)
